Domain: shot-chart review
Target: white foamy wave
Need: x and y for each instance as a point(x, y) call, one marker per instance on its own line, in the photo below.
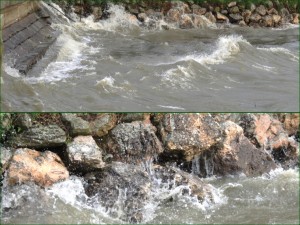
point(179, 77)
point(69, 191)
point(265, 68)
point(280, 50)
point(11, 71)
point(119, 20)
point(226, 47)
point(171, 107)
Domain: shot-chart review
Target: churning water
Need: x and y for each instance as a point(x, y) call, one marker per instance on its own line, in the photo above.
point(270, 198)
point(117, 65)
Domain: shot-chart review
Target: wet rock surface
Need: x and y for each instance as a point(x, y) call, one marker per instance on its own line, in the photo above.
point(84, 154)
point(100, 126)
point(239, 155)
point(40, 137)
point(121, 188)
point(42, 168)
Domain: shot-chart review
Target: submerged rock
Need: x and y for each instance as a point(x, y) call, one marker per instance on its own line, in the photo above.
point(189, 134)
point(239, 155)
point(134, 142)
point(122, 189)
point(42, 168)
point(40, 137)
point(84, 154)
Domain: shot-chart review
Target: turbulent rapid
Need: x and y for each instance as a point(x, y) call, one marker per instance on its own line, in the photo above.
point(117, 65)
point(268, 199)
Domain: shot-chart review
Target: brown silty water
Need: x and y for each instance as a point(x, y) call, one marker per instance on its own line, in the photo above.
point(117, 65)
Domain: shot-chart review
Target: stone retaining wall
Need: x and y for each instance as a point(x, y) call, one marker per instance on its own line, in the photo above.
point(26, 33)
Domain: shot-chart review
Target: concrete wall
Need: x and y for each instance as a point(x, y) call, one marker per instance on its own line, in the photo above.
point(13, 11)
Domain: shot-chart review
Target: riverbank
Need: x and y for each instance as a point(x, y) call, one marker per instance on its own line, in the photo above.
point(193, 14)
point(132, 152)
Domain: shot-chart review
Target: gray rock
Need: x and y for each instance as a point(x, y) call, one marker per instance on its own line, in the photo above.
point(133, 142)
point(261, 10)
point(235, 17)
point(23, 120)
point(286, 16)
point(268, 21)
point(142, 17)
point(6, 155)
point(234, 10)
point(76, 125)
point(122, 188)
point(84, 154)
point(40, 137)
point(273, 11)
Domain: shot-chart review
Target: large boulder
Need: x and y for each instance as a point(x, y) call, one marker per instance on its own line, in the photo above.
point(264, 131)
point(290, 122)
point(76, 125)
point(239, 155)
point(40, 137)
point(134, 142)
point(189, 134)
point(103, 123)
point(84, 154)
point(121, 188)
point(23, 120)
point(42, 168)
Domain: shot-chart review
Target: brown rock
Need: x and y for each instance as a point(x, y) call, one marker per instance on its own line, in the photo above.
point(238, 155)
point(273, 11)
point(268, 21)
point(276, 18)
point(231, 4)
point(200, 21)
point(242, 23)
point(291, 123)
point(295, 18)
point(255, 18)
point(189, 134)
point(104, 123)
point(210, 17)
point(173, 15)
point(42, 168)
point(97, 12)
point(222, 17)
point(186, 22)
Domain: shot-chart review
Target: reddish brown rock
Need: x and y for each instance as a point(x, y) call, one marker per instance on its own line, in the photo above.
point(291, 123)
point(173, 15)
point(276, 19)
point(239, 155)
point(222, 17)
point(42, 168)
point(295, 18)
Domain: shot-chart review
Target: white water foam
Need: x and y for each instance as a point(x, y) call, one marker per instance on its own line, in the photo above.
point(281, 50)
point(11, 71)
point(226, 47)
